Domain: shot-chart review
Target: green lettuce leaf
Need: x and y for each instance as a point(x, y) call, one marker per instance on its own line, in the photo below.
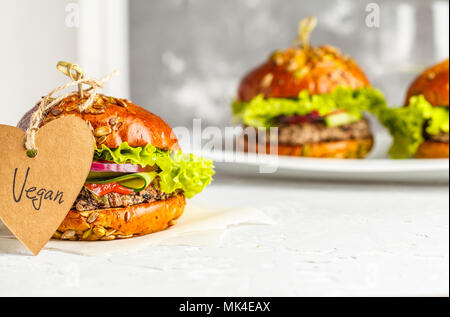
point(406, 125)
point(177, 170)
point(261, 112)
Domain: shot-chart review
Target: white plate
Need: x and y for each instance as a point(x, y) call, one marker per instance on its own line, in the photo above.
point(376, 168)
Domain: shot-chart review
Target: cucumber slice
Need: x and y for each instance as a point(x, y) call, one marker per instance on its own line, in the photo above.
point(339, 119)
point(105, 175)
point(137, 181)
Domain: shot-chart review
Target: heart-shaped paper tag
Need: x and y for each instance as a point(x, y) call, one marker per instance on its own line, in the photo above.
point(37, 193)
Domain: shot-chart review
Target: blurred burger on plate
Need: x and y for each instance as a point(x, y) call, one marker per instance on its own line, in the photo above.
point(139, 179)
point(430, 92)
point(420, 129)
point(316, 97)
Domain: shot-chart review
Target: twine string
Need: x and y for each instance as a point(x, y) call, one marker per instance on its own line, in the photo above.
point(49, 102)
point(73, 71)
point(305, 28)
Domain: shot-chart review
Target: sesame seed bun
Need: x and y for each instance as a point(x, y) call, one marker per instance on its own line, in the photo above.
point(346, 149)
point(433, 84)
point(320, 70)
point(114, 121)
point(122, 223)
point(433, 150)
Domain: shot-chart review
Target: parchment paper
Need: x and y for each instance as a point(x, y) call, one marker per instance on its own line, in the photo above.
point(199, 226)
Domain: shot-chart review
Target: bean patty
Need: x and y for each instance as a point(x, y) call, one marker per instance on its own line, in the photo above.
point(88, 201)
point(316, 132)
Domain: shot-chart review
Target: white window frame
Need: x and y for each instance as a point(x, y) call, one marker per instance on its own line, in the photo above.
point(103, 42)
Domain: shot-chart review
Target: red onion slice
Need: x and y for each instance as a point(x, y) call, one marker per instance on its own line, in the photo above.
point(118, 168)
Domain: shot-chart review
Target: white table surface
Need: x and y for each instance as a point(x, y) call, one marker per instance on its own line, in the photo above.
point(330, 239)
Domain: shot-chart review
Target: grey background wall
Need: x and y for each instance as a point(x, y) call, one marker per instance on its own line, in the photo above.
point(33, 37)
point(187, 56)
